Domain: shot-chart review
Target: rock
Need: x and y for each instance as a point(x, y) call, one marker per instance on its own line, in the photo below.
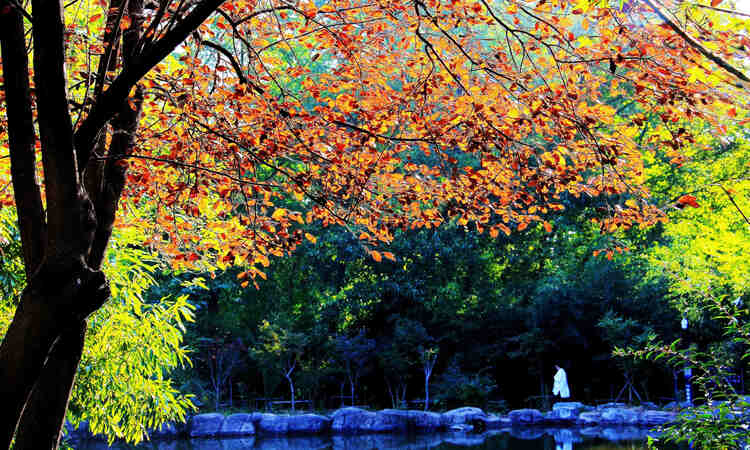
point(425, 420)
point(205, 425)
point(611, 405)
point(619, 416)
point(414, 419)
point(493, 422)
point(568, 409)
point(237, 425)
point(589, 418)
point(273, 424)
point(652, 417)
point(167, 430)
point(356, 420)
point(309, 424)
point(461, 415)
point(526, 417)
point(461, 427)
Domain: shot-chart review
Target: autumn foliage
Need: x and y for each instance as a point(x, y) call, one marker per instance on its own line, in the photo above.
point(388, 115)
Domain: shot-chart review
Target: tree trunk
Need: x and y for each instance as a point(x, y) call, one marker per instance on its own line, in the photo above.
point(44, 314)
point(427, 390)
point(291, 388)
point(44, 415)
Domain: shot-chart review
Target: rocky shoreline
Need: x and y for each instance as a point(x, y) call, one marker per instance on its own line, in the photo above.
point(357, 421)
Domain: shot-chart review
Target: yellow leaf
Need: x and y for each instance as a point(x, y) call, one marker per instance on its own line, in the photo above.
point(278, 214)
point(311, 238)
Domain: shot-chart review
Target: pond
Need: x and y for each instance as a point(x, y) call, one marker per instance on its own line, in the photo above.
point(524, 439)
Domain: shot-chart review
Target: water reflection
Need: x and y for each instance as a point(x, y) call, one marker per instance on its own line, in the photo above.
point(508, 439)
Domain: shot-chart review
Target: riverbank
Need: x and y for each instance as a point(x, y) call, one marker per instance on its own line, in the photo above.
point(355, 421)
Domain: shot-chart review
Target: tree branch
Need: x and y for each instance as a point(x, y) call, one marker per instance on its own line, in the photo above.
point(234, 63)
point(69, 216)
point(108, 103)
point(695, 44)
point(21, 140)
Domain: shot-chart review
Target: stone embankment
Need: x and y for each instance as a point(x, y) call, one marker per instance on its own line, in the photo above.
point(357, 421)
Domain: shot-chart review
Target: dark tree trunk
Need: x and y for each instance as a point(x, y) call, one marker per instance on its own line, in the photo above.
point(44, 416)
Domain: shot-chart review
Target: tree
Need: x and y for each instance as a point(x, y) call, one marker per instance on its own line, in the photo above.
point(283, 349)
point(354, 353)
point(429, 358)
point(221, 357)
point(212, 150)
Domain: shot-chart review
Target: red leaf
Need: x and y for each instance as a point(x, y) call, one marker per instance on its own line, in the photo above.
point(688, 200)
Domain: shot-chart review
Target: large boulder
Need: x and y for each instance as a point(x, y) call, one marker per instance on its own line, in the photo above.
point(567, 410)
point(619, 416)
point(611, 405)
point(309, 424)
point(237, 425)
point(526, 417)
point(656, 417)
point(357, 420)
point(414, 419)
point(589, 418)
point(426, 420)
point(465, 415)
point(273, 424)
point(493, 422)
point(205, 425)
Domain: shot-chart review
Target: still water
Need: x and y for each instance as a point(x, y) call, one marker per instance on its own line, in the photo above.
point(537, 439)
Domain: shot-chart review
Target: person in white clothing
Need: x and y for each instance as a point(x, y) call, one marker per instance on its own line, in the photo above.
point(560, 387)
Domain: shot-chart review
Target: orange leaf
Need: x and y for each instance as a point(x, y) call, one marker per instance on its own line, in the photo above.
point(522, 226)
point(376, 255)
point(125, 23)
point(716, 3)
point(389, 255)
point(547, 227)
